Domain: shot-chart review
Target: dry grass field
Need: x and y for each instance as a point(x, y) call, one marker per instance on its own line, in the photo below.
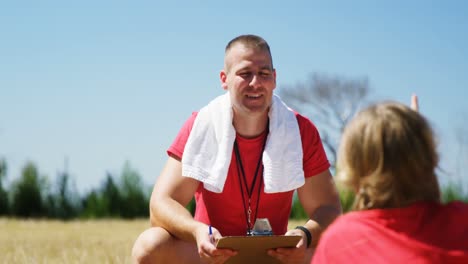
point(80, 241)
point(43, 241)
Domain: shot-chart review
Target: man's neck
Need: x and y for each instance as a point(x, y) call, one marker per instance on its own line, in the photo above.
point(250, 126)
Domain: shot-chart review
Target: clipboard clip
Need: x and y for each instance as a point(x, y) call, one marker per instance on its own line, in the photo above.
point(261, 227)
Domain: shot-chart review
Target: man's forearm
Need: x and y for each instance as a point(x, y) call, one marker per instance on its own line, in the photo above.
point(173, 217)
point(321, 218)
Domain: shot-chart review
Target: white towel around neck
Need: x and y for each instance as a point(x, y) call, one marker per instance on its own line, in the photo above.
point(208, 151)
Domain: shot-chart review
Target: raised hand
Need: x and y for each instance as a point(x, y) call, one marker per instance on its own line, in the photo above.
point(414, 103)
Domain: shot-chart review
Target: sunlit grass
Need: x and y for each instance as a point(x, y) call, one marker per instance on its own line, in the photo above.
point(45, 241)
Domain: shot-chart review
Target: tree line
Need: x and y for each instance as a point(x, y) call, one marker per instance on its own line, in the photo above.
point(33, 196)
point(118, 196)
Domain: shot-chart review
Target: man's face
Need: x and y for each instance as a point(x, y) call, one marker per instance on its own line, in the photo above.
point(250, 78)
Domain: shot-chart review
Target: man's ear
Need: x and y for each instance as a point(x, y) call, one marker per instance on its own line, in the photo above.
point(223, 77)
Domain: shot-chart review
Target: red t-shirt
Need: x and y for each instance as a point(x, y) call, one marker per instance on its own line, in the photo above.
point(225, 210)
point(424, 232)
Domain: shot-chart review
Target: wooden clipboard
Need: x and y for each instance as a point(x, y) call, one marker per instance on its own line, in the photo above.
point(253, 249)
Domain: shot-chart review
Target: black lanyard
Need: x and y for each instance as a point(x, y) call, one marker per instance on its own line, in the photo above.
point(243, 183)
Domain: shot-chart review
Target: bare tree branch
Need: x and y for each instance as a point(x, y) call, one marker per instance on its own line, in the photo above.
point(330, 102)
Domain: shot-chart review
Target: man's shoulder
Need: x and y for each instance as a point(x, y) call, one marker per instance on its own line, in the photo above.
point(190, 120)
point(305, 124)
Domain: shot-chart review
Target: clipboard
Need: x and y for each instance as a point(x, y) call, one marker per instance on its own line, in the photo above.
point(253, 249)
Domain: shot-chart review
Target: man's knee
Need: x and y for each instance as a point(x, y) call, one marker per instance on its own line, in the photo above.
point(148, 244)
point(156, 245)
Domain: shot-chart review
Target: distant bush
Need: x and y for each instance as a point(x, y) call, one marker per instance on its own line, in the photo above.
point(134, 199)
point(191, 206)
point(453, 192)
point(27, 193)
point(125, 198)
point(297, 211)
point(4, 206)
point(346, 199)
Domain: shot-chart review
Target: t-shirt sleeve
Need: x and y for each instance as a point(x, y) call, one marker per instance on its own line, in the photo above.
point(315, 160)
point(178, 145)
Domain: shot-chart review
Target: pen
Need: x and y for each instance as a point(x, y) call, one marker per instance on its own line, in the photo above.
point(211, 233)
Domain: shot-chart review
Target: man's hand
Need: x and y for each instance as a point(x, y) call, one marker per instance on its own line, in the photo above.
point(291, 255)
point(207, 249)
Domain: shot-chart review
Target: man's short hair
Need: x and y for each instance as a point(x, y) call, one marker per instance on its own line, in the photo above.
point(250, 41)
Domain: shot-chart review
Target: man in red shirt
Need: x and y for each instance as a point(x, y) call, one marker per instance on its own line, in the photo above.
point(247, 192)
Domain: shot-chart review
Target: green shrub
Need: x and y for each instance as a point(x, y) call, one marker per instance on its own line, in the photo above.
point(297, 211)
point(346, 199)
point(191, 206)
point(453, 192)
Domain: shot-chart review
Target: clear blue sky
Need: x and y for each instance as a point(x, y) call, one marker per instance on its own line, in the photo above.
point(104, 82)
